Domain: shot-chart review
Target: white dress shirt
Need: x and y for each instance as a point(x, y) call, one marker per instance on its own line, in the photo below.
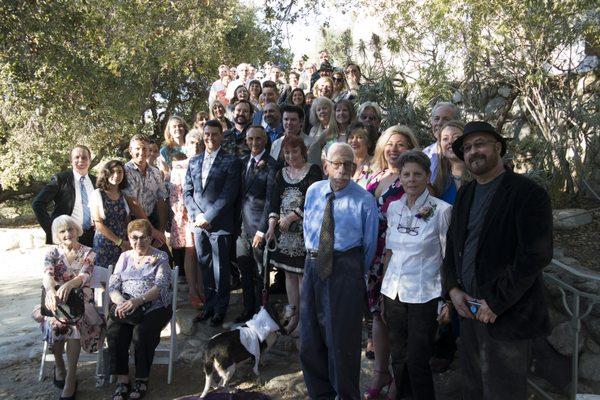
point(209, 159)
point(432, 151)
point(417, 245)
point(78, 206)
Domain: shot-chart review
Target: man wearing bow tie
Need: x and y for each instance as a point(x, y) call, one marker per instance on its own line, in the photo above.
point(210, 192)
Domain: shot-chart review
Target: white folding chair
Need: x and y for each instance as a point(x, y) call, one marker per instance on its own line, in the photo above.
point(166, 355)
point(98, 280)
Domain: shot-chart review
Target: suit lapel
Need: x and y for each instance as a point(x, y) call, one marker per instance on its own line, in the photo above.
point(70, 185)
point(252, 175)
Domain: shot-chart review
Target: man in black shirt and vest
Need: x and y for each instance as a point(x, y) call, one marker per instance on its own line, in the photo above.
point(499, 241)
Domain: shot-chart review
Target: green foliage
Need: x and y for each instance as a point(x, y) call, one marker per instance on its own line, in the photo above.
point(98, 71)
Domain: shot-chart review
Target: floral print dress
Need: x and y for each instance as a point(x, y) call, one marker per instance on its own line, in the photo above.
point(89, 327)
point(392, 193)
point(115, 219)
point(181, 230)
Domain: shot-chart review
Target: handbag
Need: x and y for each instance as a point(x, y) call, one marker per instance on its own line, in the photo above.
point(132, 318)
point(69, 312)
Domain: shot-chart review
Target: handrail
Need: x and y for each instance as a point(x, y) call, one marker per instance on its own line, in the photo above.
point(574, 313)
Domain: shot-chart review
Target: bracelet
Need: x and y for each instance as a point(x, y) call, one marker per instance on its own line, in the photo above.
point(119, 242)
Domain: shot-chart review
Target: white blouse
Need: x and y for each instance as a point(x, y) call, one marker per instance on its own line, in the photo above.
point(417, 239)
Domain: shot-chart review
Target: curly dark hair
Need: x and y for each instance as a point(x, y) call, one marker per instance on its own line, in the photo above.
point(102, 182)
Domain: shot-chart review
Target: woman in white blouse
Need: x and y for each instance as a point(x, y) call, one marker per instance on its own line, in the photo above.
point(415, 241)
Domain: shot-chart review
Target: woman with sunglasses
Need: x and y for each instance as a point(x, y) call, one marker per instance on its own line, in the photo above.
point(411, 288)
point(339, 86)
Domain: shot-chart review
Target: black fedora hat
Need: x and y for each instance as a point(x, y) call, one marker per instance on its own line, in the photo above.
point(477, 127)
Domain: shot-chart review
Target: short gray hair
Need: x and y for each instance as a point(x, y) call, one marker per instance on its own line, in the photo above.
point(341, 147)
point(455, 109)
point(194, 134)
point(64, 221)
point(414, 156)
point(369, 104)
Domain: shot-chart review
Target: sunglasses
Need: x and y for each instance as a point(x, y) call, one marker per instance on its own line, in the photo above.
point(338, 79)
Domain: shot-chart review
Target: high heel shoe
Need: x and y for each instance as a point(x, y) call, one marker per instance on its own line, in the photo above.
point(374, 392)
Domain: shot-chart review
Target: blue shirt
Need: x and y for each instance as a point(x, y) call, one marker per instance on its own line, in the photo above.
point(274, 133)
point(354, 214)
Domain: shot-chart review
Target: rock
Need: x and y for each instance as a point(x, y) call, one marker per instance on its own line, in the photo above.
point(592, 346)
point(494, 105)
point(589, 366)
point(26, 241)
point(568, 219)
point(561, 339)
point(593, 327)
point(185, 321)
point(504, 91)
point(8, 242)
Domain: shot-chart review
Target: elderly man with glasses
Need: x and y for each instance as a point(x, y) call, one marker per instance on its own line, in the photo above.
point(340, 231)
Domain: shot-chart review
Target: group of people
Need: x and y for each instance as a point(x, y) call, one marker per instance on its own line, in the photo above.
point(421, 245)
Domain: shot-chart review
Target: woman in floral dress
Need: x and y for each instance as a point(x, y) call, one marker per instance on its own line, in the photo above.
point(287, 211)
point(68, 266)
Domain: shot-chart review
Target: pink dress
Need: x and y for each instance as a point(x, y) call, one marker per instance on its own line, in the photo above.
point(181, 233)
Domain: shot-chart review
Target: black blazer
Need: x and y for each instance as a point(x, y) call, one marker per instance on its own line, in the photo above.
point(61, 191)
point(514, 247)
point(218, 198)
point(256, 194)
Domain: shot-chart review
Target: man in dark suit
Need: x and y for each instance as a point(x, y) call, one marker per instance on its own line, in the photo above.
point(258, 172)
point(71, 192)
point(210, 192)
point(499, 241)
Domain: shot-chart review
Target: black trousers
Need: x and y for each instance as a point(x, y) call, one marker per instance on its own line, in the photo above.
point(145, 335)
point(213, 258)
point(87, 239)
point(250, 264)
point(331, 312)
point(412, 330)
point(492, 369)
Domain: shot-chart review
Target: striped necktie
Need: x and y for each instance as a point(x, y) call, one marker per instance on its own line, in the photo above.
point(87, 220)
point(325, 257)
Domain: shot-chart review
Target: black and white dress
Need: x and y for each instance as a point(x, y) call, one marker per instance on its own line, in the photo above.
point(288, 196)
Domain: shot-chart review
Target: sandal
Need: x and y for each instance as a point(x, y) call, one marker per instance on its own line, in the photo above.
point(196, 301)
point(140, 387)
point(375, 391)
point(121, 391)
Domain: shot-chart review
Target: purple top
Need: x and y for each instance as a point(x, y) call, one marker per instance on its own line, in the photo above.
point(137, 280)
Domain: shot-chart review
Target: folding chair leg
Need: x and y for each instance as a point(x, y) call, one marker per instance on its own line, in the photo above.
point(43, 363)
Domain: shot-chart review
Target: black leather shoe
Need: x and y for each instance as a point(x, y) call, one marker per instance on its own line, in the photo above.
point(245, 316)
point(71, 397)
point(217, 320)
point(59, 384)
point(203, 316)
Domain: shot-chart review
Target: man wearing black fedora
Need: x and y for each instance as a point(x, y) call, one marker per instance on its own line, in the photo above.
point(499, 241)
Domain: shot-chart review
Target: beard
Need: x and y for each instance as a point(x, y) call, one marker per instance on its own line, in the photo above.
point(480, 164)
point(241, 120)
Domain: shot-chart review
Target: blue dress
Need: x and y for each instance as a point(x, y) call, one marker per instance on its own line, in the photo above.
point(115, 212)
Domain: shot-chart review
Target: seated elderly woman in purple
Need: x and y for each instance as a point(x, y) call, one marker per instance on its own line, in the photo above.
point(141, 278)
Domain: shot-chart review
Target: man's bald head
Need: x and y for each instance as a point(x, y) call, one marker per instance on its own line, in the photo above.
point(343, 149)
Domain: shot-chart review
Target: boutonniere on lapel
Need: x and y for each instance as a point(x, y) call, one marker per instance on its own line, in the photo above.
point(261, 164)
point(426, 212)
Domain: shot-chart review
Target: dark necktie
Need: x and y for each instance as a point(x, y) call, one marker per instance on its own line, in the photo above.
point(325, 257)
point(87, 220)
point(250, 172)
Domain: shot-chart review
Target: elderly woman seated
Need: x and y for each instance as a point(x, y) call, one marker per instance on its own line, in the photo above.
point(140, 290)
point(68, 266)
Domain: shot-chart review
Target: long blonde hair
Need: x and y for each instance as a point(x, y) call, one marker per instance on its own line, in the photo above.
point(167, 134)
point(332, 130)
point(380, 162)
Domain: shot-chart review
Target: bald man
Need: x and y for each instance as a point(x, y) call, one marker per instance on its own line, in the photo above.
point(340, 232)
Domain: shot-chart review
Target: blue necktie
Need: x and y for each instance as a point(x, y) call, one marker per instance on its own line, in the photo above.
point(87, 221)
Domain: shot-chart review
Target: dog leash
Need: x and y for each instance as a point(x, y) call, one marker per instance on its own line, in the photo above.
point(270, 247)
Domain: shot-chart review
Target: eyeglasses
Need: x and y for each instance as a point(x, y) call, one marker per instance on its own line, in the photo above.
point(338, 164)
point(135, 237)
point(412, 231)
point(338, 79)
point(477, 145)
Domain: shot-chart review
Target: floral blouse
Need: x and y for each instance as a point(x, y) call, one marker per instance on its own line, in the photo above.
point(137, 280)
point(57, 266)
